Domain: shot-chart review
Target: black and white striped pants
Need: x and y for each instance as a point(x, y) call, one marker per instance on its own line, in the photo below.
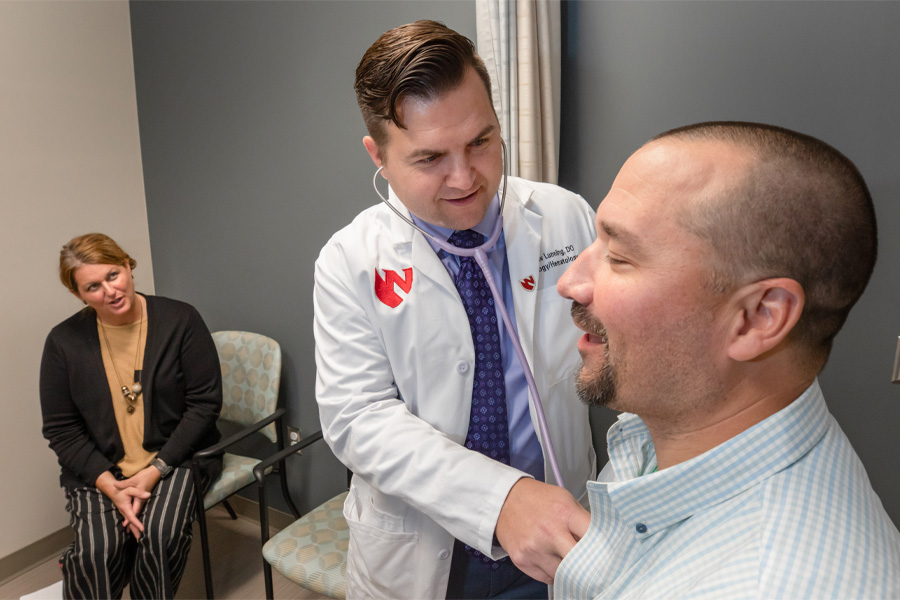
point(105, 556)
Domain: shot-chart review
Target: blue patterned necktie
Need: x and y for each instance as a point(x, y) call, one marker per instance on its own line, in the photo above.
point(488, 428)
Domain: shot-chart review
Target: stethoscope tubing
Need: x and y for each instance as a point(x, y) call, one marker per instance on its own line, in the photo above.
point(480, 256)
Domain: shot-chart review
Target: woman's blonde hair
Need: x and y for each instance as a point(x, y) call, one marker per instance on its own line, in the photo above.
point(89, 249)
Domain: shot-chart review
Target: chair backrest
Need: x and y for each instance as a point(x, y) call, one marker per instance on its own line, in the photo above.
point(251, 374)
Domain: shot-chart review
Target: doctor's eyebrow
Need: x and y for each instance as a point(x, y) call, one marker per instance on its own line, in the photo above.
point(425, 152)
point(483, 133)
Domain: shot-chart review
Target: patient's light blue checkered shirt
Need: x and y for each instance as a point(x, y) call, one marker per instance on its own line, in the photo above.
point(784, 510)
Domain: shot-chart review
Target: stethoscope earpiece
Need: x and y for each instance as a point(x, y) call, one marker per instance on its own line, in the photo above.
point(443, 245)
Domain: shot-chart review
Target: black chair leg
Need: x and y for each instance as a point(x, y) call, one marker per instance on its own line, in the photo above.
point(285, 491)
point(230, 510)
point(204, 536)
point(267, 572)
point(264, 537)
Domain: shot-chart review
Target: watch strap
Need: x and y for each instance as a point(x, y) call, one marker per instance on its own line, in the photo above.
point(164, 469)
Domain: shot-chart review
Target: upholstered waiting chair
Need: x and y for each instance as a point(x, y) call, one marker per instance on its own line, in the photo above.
point(251, 373)
point(312, 551)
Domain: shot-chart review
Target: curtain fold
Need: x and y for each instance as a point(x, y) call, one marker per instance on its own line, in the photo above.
point(520, 43)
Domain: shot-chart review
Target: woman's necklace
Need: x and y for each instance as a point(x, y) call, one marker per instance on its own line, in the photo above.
point(131, 395)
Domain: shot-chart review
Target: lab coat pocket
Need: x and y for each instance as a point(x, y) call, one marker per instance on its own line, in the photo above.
point(381, 560)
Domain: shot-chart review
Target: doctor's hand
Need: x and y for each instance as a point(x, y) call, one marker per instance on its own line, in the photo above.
point(538, 525)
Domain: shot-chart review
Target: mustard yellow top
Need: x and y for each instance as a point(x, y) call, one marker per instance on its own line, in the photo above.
point(123, 340)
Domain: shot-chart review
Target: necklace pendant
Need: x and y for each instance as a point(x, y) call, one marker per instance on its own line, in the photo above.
point(130, 409)
point(125, 391)
point(136, 388)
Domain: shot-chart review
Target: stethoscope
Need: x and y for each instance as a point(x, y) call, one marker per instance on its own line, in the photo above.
point(480, 255)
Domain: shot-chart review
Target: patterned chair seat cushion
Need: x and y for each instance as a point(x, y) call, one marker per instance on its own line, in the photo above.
point(312, 551)
point(237, 473)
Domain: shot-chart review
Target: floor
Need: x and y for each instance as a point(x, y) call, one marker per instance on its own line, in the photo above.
point(237, 573)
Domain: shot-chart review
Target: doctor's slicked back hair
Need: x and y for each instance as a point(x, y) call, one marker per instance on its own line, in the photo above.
point(420, 60)
point(802, 210)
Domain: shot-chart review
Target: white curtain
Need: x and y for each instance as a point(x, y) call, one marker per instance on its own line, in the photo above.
point(520, 43)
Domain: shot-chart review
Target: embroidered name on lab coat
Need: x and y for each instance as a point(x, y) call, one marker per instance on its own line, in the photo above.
point(384, 286)
point(558, 257)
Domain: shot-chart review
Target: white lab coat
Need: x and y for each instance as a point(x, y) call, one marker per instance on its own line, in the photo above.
point(394, 386)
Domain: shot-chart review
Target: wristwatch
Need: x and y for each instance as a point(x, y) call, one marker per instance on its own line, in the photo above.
point(164, 469)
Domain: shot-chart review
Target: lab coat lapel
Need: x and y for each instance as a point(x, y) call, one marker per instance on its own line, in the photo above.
point(422, 256)
point(522, 231)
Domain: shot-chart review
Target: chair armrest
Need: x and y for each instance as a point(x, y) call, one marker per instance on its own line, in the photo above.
point(236, 437)
point(260, 469)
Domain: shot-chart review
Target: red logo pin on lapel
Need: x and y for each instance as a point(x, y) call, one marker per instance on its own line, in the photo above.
point(528, 283)
point(384, 286)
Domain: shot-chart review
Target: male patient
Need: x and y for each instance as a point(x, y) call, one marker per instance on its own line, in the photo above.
point(728, 256)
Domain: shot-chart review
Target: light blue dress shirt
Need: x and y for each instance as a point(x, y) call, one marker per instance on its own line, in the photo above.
point(783, 510)
point(525, 450)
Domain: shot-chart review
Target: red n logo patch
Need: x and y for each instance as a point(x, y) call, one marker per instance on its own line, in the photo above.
point(528, 283)
point(384, 286)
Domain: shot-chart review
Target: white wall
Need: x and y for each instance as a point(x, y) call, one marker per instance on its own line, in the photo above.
point(70, 163)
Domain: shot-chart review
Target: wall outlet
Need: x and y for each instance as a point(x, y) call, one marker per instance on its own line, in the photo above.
point(293, 435)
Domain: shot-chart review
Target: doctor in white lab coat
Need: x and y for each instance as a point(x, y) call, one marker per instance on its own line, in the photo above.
point(395, 357)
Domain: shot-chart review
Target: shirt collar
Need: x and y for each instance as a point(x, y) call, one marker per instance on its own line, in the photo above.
point(667, 497)
point(485, 227)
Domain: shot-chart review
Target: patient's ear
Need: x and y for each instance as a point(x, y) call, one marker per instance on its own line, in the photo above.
point(767, 312)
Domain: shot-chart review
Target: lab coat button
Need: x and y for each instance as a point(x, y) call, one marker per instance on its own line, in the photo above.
point(462, 367)
point(444, 554)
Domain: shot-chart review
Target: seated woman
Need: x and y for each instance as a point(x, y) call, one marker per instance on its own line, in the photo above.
point(130, 389)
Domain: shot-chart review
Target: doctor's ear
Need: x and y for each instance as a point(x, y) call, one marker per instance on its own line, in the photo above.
point(374, 151)
point(767, 312)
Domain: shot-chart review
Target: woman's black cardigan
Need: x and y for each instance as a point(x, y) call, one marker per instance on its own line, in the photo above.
point(182, 394)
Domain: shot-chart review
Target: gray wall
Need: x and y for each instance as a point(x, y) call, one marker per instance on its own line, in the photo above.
point(829, 69)
point(253, 158)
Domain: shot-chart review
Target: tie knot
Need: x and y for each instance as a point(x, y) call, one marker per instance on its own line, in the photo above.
point(466, 238)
